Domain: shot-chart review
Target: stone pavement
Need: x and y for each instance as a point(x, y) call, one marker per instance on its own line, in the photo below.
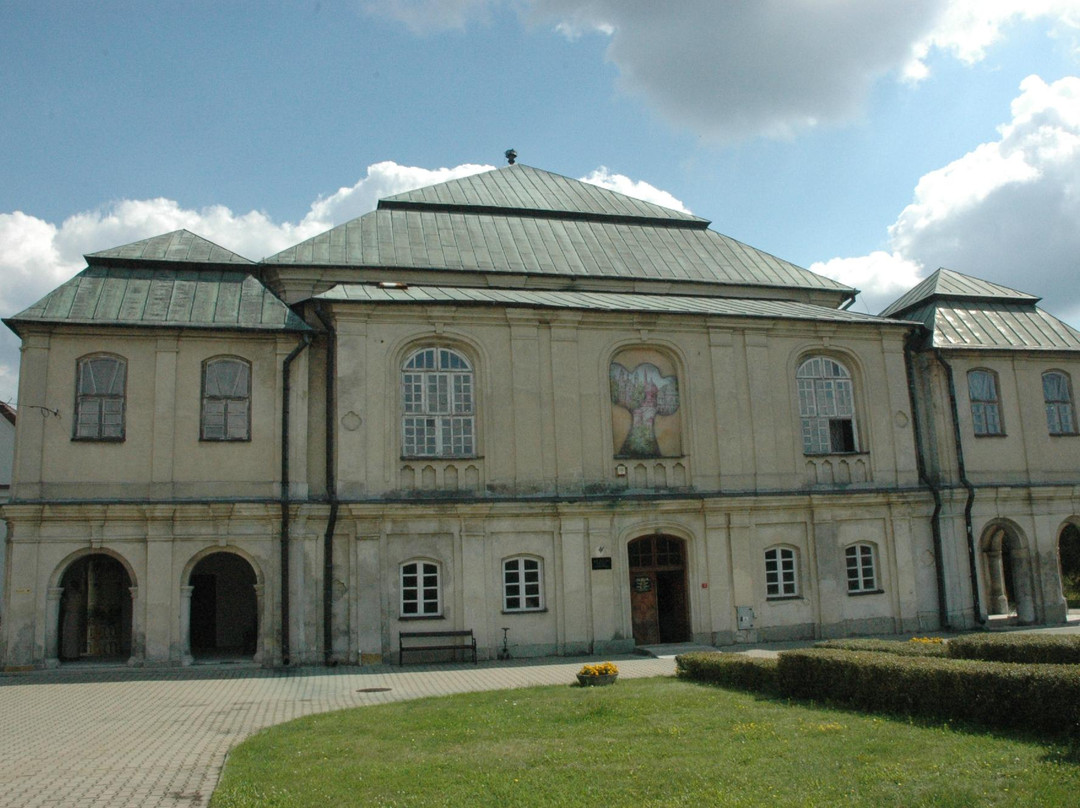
point(112, 736)
point(98, 736)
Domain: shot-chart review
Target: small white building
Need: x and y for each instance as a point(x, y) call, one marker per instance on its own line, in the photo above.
point(518, 401)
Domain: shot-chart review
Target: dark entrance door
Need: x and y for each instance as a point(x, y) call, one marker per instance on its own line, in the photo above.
point(659, 607)
point(224, 617)
point(95, 610)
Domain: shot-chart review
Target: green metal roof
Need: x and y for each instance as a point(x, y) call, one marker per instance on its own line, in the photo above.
point(952, 285)
point(190, 298)
point(470, 242)
point(523, 189)
point(999, 326)
point(596, 301)
point(181, 246)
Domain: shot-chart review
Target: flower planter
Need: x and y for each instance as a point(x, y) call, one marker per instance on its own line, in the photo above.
point(597, 681)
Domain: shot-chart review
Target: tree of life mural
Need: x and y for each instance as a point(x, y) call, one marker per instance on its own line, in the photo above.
point(645, 393)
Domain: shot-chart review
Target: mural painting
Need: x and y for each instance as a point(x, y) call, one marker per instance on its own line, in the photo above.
point(645, 395)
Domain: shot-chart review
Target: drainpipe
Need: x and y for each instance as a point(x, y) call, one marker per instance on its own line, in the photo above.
point(972, 561)
point(331, 487)
point(920, 463)
point(286, 388)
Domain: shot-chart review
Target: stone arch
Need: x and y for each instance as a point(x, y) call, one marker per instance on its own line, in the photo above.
point(1068, 547)
point(222, 610)
point(90, 613)
point(1005, 565)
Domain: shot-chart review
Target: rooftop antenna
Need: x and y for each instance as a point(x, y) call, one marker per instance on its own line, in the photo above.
point(511, 156)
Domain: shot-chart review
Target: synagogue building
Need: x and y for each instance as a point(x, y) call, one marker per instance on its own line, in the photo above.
point(525, 406)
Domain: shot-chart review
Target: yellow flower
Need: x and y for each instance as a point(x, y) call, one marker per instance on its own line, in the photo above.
point(598, 669)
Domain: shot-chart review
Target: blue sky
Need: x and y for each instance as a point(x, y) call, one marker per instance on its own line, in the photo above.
point(867, 139)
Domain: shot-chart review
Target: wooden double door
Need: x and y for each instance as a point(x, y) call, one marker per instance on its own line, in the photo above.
point(659, 605)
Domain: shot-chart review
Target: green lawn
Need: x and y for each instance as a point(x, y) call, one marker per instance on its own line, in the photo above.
point(638, 743)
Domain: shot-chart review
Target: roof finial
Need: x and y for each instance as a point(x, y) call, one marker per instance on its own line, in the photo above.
point(511, 156)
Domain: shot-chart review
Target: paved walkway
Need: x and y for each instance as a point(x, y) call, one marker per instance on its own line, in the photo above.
point(97, 736)
point(111, 736)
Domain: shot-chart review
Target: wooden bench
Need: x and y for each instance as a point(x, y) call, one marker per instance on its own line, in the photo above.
point(463, 640)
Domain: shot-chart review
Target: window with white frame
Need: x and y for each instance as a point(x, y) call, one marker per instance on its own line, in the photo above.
point(226, 399)
point(1057, 393)
point(781, 573)
point(523, 584)
point(421, 589)
point(826, 406)
point(985, 403)
point(99, 398)
point(438, 405)
point(861, 568)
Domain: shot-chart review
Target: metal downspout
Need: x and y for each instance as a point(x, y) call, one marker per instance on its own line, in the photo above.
point(968, 528)
point(331, 488)
point(920, 463)
point(286, 388)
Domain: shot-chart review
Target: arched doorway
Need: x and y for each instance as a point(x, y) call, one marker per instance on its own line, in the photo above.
point(1069, 561)
point(1006, 569)
point(659, 606)
point(224, 618)
point(95, 610)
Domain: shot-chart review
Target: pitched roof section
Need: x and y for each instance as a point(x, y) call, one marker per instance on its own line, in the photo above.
point(470, 242)
point(596, 301)
point(181, 246)
point(951, 285)
point(521, 190)
point(194, 298)
point(521, 220)
point(999, 326)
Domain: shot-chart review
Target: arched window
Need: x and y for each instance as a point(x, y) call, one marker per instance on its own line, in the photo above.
point(421, 589)
point(1057, 393)
point(99, 398)
point(826, 406)
point(781, 572)
point(438, 405)
point(523, 584)
point(861, 560)
point(226, 399)
point(985, 404)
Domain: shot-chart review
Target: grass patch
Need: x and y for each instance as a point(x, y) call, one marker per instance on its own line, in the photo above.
point(645, 742)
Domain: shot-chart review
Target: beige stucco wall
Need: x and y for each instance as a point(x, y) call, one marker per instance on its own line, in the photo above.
point(161, 455)
point(544, 414)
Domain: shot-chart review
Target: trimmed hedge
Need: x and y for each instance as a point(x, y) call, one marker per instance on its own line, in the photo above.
point(1020, 647)
point(908, 648)
point(1044, 698)
point(729, 670)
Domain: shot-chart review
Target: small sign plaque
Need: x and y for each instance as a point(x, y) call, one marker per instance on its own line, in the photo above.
point(602, 563)
point(643, 583)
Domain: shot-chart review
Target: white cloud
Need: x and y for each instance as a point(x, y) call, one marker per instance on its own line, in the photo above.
point(639, 189)
point(383, 179)
point(880, 277)
point(37, 256)
point(1006, 211)
point(771, 67)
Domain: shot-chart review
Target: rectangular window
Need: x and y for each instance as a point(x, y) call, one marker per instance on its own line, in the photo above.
point(861, 569)
point(99, 398)
point(438, 410)
point(985, 405)
point(421, 594)
point(226, 401)
point(523, 585)
point(1060, 418)
point(781, 580)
